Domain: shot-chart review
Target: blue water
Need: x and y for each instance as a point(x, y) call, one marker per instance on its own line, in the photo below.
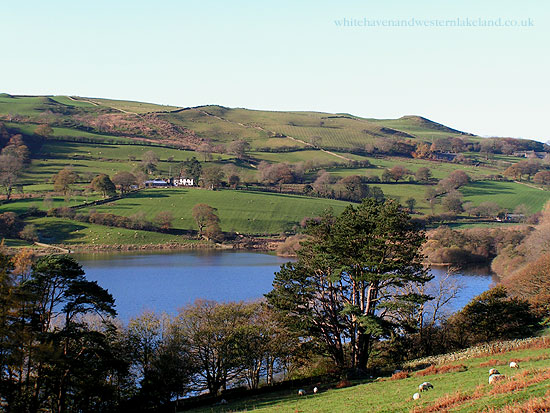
point(168, 281)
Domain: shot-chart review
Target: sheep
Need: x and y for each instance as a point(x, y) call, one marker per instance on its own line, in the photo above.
point(416, 396)
point(425, 386)
point(493, 378)
point(301, 392)
point(514, 365)
point(493, 371)
point(315, 390)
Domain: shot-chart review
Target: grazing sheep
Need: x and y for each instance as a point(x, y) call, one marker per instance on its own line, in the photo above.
point(416, 396)
point(425, 386)
point(496, 377)
point(514, 365)
point(315, 390)
point(493, 371)
point(301, 392)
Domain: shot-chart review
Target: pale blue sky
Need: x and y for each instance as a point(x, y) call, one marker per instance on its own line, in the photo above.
point(290, 55)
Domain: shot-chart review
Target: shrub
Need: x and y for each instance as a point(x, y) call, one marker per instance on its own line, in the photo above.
point(29, 233)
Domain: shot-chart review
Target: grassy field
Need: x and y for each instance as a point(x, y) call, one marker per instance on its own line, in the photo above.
point(506, 194)
point(240, 211)
point(458, 391)
point(64, 231)
point(20, 206)
point(439, 169)
point(60, 133)
point(121, 152)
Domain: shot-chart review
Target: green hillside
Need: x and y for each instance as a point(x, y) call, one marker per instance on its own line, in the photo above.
point(263, 129)
point(459, 386)
point(94, 136)
point(241, 211)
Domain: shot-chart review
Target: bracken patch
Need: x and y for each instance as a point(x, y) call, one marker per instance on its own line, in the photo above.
point(401, 375)
point(446, 368)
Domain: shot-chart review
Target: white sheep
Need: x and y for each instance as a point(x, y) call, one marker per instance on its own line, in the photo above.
point(301, 392)
point(416, 396)
point(496, 377)
point(425, 386)
point(493, 371)
point(514, 365)
point(315, 390)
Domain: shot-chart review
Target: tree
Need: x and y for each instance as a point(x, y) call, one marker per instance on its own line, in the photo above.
point(17, 148)
point(204, 215)
point(342, 291)
point(423, 151)
point(213, 232)
point(234, 181)
point(492, 315)
point(125, 180)
point(66, 361)
point(386, 176)
point(276, 174)
point(206, 149)
point(215, 333)
point(191, 168)
point(43, 130)
point(63, 180)
point(531, 283)
point(149, 162)
point(29, 233)
point(423, 174)
point(398, 172)
point(487, 146)
point(411, 203)
point(102, 183)
point(514, 171)
point(10, 170)
point(164, 220)
point(212, 177)
point(323, 183)
point(453, 202)
point(542, 178)
point(455, 180)
point(239, 148)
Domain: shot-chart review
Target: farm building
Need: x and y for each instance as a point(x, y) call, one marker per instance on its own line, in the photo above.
point(183, 182)
point(156, 183)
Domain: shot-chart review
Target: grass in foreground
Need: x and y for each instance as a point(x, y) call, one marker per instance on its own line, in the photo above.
point(461, 391)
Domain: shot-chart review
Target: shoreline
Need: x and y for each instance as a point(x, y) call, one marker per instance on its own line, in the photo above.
point(248, 244)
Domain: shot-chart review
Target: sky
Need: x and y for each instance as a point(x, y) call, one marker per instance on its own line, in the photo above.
point(385, 60)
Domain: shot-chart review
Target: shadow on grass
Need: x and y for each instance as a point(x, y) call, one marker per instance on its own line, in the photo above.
point(486, 188)
point(268, 398)
point(148, 193)
point(59, 232)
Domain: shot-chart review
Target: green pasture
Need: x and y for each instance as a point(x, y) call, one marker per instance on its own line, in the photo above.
point(64, 231)
point(384, 395)
point(506, 194)
point(70, 150)
point(68, 133)
point(240, 211)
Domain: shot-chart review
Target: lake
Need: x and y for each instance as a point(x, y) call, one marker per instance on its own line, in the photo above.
point(167, 281)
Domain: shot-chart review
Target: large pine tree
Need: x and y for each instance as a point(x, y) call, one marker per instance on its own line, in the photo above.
point(346, 288)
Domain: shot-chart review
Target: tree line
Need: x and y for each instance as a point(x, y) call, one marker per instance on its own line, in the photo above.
point(357, 300)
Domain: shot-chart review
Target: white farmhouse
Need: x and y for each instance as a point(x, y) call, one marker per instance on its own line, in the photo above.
point(184, 182)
